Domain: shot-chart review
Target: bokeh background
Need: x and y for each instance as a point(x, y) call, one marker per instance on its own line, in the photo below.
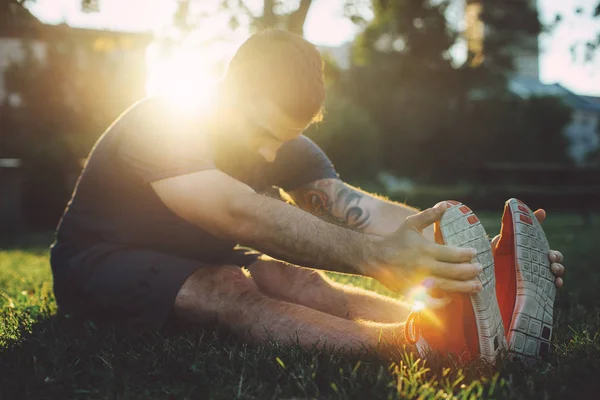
point(427, 99)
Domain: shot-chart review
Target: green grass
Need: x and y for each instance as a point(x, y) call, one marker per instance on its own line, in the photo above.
point(46, 356)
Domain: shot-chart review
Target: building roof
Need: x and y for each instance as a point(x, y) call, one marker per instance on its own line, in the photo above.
point(526, 87)
point(582, 102)
point(592, 99)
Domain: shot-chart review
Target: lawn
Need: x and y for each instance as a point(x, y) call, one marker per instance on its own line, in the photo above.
point(46, 356)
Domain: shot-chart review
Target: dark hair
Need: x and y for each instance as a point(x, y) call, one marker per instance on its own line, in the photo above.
point(285, 68)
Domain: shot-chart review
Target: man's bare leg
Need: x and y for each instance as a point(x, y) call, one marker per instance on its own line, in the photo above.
point(311, 288)
point(225, 295)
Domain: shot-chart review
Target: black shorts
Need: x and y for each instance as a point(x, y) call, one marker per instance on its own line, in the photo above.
point(125, 287)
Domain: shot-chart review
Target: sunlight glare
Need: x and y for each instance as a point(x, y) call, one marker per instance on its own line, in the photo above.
point(418, 297)
point(185, 77)
point(418, 306)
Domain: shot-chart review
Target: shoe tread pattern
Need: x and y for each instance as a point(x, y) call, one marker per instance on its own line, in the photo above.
point(461, 228)
point(530, 331)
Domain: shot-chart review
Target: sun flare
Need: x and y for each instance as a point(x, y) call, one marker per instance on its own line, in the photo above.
point(418, 305)
point(186, 76)
point(418, 298)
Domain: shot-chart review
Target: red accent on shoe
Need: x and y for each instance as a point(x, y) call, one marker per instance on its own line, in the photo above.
point(526, 219)
point(473, 219)
point(451, 329)
point(504, 262)
point(465, 209)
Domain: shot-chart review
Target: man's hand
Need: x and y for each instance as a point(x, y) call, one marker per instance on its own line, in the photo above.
point(555, 257)
point(406, 258)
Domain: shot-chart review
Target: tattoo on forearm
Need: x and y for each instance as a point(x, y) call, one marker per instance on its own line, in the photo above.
point(342, 206)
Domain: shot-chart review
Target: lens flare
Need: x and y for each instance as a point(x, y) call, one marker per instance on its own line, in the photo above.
point(418, 298)
point(418, 306)
point(185, 77)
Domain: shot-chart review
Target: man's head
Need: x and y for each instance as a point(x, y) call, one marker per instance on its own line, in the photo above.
point(276, 82)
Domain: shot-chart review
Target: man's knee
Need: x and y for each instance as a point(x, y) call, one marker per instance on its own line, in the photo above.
point(278, 278)
point(211, 291)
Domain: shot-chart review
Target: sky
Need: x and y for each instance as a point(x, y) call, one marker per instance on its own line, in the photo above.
point(325, 25)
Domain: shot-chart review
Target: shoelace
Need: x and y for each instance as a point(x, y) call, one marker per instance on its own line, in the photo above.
point(410, 327)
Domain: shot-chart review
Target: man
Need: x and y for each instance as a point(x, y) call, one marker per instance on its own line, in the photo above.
point(166, 195)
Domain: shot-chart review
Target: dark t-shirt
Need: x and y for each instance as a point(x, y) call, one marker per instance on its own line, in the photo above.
point(115, 207)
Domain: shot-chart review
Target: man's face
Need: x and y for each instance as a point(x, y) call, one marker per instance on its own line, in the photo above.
point(265, 127)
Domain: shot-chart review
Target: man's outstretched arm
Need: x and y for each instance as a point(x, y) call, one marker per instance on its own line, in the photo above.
point(344, 205)
point(229, 209)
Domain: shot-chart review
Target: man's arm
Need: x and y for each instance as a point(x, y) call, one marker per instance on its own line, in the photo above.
point(230, 209)
point(344, 205)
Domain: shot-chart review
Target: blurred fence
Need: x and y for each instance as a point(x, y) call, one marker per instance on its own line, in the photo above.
point(11, 183)
point(555, 186)
point(549, 186)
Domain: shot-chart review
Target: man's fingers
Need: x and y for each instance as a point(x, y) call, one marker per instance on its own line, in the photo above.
point(450, 254)
point(427, 217)
point(540, 215)
point(462, 272)
point(555, 256)
point(558, 282)
point(449, 285)
point(557, 269)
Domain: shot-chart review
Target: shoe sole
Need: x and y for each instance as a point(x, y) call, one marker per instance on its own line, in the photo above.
point(530, 328)
point(460, 227)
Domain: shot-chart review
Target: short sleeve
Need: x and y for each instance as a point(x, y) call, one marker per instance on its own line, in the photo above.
point(158, 141)
point(299, 162)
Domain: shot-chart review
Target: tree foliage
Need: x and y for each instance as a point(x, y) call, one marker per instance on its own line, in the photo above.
point(271, 14)
point(349, 137)
point(430, 110)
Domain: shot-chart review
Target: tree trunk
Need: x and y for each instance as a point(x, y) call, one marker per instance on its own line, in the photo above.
point(269, 19)
point(298, 17)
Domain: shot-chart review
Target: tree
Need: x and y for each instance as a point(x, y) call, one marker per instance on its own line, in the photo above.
point(349, 137)
point(275, 14)
point(405, 79)
point(428, 108)
point(292, 20)
point(9, 9)
point(511, 27)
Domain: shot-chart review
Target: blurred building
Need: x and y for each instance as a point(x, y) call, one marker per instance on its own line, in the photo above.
point(584, 128)
point(23, 38)
point(23, 35)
